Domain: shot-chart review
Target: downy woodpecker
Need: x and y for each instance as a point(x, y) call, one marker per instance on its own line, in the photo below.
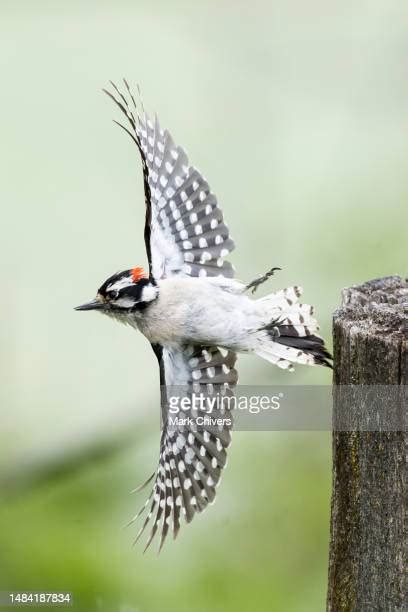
point(195, 315)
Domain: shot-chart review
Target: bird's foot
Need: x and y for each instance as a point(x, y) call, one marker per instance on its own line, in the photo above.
point(253, 285)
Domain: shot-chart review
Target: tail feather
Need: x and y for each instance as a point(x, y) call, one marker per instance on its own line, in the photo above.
point(284, 364)
point(288, 334)
point(312, 346)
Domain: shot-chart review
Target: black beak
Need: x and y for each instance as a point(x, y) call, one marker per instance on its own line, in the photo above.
point(94, 305)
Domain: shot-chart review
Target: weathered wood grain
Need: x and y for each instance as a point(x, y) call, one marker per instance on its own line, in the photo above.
point(367, 560)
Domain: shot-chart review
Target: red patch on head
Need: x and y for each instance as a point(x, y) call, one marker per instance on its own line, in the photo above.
point(137, 274)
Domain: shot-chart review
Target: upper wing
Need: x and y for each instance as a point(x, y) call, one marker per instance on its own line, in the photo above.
point(184, 230)
point(192, 452)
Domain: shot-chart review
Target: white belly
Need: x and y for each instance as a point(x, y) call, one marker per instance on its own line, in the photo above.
point(201, 311)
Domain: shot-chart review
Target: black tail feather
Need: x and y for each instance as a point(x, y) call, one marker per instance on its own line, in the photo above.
point(312, 345)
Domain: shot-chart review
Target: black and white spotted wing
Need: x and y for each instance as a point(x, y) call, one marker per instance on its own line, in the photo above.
point(185, 235)
point(185, 232)
point(192, 451)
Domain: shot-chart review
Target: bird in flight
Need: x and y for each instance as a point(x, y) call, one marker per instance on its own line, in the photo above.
point(196, 318)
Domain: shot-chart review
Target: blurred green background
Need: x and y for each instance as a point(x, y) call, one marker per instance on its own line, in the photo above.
point(297, 114)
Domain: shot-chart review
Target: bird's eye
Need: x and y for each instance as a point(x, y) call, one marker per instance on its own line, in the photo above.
point(113, 295)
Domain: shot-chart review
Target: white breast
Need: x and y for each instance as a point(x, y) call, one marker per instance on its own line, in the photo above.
point(197, 310)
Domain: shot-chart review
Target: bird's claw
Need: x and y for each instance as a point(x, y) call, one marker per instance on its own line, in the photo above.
point(253, 285)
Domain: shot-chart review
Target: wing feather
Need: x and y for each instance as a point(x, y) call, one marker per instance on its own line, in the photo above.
point(185, 233)
point(191, 458)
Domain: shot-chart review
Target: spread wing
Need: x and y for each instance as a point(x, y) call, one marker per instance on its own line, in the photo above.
point(192, 451)
point(185, 233)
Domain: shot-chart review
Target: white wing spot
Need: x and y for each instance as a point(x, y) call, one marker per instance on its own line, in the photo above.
point(181, 441)
point(189, 455)
point(206, 256)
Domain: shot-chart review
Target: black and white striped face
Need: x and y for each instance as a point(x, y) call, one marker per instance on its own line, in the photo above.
point(123, 293)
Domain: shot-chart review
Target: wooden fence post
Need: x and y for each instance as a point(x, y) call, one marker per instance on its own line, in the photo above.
point(368, 538)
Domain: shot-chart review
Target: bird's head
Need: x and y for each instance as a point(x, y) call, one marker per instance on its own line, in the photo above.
point(123, 293)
